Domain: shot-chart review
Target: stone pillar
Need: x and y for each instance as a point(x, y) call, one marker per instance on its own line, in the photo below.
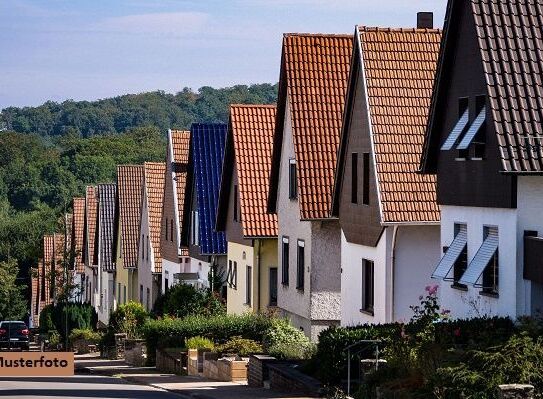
point(516, 391)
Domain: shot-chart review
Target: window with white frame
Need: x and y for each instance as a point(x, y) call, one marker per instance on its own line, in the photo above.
point(368, 286)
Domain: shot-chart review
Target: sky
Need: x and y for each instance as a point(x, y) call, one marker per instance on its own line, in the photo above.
point(91, 49)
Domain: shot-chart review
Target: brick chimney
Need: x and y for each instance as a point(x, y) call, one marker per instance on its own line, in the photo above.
point(425, 20)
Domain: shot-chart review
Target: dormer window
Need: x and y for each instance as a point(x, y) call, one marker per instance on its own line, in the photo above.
point(292, 188)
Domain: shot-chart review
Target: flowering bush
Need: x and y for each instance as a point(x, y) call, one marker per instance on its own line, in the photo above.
point(284, 341)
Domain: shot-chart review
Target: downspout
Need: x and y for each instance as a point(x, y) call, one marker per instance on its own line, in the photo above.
point(258, 300)
point(393, 268)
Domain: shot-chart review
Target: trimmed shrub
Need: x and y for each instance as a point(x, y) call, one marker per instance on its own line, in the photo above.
point(240, 346)
point(284, 341)
point(199, 343)
point(170, 332)
point(80, 316)
point(85, 334)
point(183, 300)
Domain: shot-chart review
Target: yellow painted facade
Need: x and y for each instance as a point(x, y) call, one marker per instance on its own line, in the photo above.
point(125, 279)
point(256, 262)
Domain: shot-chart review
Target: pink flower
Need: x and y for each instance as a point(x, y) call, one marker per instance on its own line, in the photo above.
point(432, 290)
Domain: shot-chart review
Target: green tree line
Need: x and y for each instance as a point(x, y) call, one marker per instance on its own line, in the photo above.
point(119, 114)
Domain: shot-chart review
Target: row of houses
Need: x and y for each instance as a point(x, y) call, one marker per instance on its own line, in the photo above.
point(394, 159)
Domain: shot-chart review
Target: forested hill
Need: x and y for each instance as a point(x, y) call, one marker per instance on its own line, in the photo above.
point(119, 114)
point(48, 154)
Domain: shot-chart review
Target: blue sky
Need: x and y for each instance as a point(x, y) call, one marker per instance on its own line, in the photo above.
point(89, 49)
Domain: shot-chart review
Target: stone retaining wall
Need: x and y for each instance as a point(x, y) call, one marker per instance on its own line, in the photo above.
point(135, 353)
point(285, 378)
point(258, 370)
point(171, 361)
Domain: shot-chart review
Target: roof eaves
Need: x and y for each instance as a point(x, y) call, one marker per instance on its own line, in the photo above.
point(340, 167)
point(370, 127)
point(425, 167)
point(278, 135)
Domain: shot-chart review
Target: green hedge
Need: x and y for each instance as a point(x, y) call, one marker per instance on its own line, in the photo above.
point(170, 332)
point(330, 362)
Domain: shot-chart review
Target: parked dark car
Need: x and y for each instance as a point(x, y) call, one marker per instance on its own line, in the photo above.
point(14, 334)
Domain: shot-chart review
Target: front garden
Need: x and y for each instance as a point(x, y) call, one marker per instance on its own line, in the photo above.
point(432, 356)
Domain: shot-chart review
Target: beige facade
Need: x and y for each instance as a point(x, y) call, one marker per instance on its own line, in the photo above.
point(252, 263)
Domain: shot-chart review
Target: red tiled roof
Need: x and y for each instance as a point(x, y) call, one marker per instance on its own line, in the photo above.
point(130, 188)
point(48, 254)
point(154, 186)
point(252, 129)
point(78, 228)
point(314, 77)
point(35, 292)
point(180, 146)
point(91, 209)
point(42, 285)
point(399, 67)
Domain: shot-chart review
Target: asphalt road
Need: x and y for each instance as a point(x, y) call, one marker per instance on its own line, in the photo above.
point(78, 386)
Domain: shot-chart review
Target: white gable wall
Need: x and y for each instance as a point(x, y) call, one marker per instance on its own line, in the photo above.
point(467, 304)
point(318, 305)
point(530, 217)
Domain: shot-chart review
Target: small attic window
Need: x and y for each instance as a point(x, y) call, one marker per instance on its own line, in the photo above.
point(460, 126)
point(292, 188)
point(474, 140)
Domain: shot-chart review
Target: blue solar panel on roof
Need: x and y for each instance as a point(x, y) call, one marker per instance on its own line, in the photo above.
point(208, 142)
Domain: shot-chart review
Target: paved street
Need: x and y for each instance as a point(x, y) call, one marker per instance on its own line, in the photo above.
point(78, 386)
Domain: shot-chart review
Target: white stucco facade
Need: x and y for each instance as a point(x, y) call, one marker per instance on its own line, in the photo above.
point(403, 263)
point(149, 283)
point(172, 270)
point(318, 305)
point(529, 218)
point(470, 303)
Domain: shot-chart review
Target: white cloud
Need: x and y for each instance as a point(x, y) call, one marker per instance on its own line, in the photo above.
point(172, 23)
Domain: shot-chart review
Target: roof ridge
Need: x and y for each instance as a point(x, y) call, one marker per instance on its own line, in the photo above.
point(129, 165)
point(303, 34)
point(364, 28)
point(179, 131)
point(253, 105)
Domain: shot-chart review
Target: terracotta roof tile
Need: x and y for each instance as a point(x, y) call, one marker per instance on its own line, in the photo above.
point(35, 292)
point(106, 224)
point(511, 45)
point(77, 230)
point(399, 66)
point(154, 186)
point(181, 146)
point(91, 209)
point(314, 77)
point(252, 129)
point(43, 286)
point(130, 189)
